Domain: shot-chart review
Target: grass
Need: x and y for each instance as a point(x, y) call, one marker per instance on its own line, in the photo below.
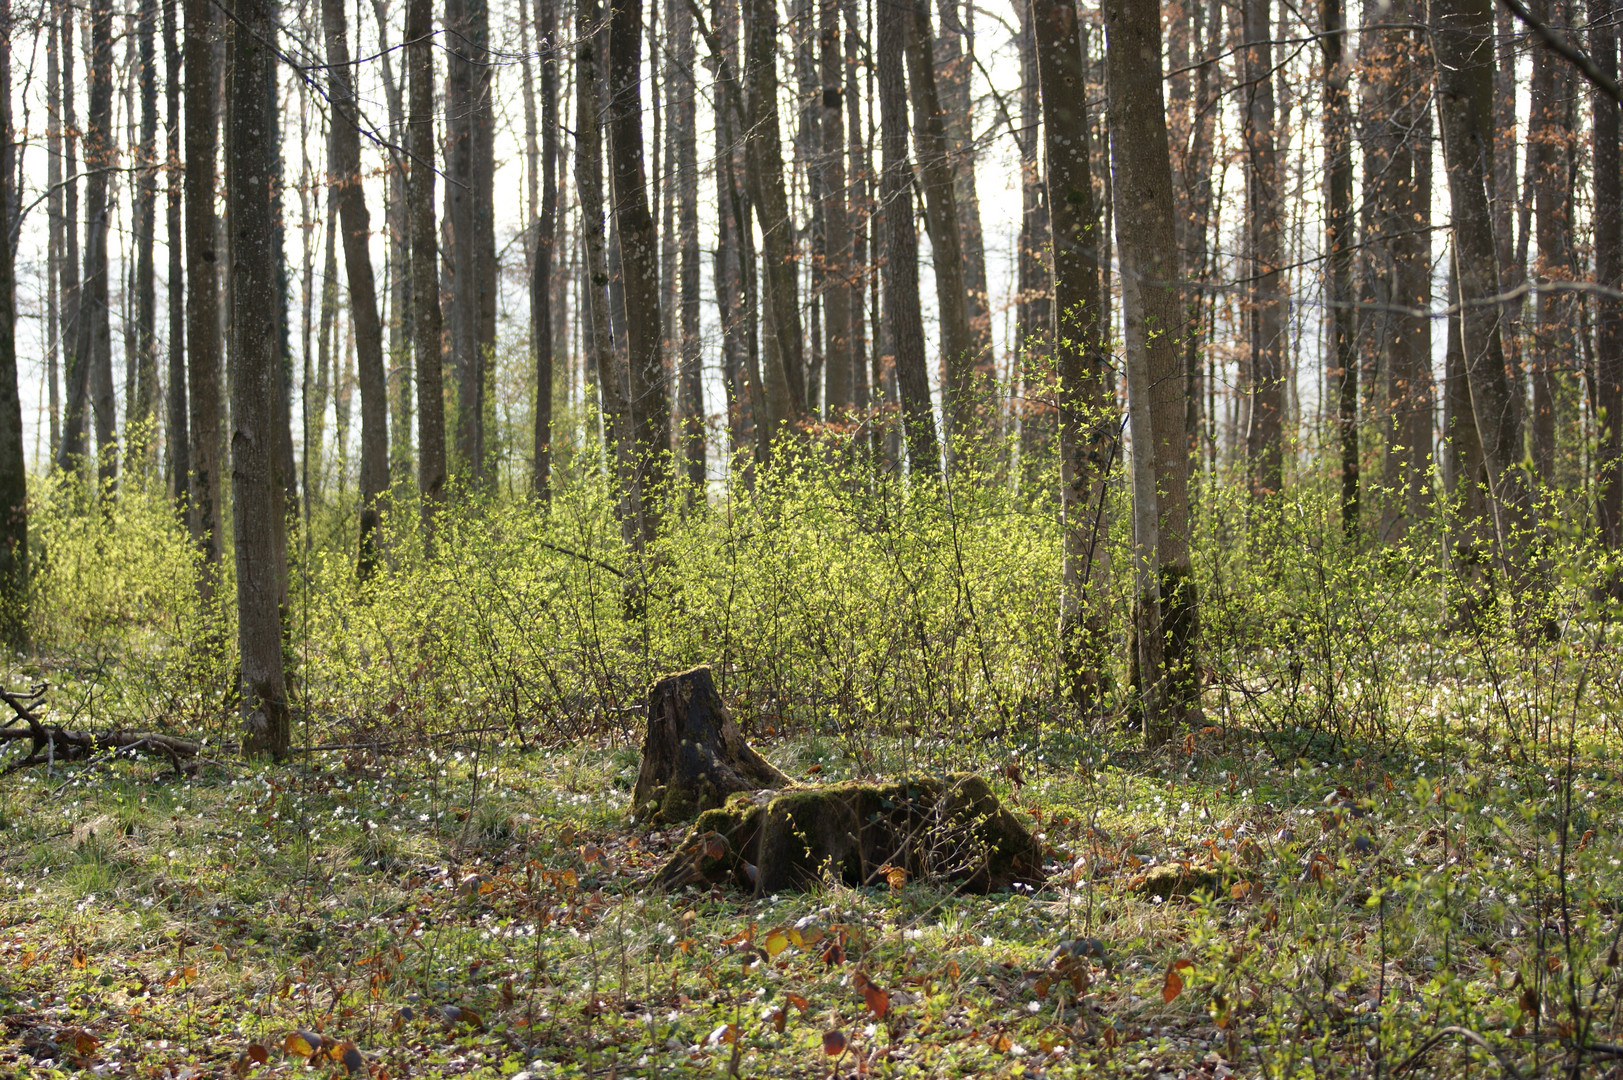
point(477, 912)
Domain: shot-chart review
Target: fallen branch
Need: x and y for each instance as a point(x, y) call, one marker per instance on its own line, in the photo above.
point(53, 743)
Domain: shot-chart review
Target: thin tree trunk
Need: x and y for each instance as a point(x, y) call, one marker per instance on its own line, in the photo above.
point(1547, 138)
point(785, 379)
point(955, 59)
point(1034, 295)
point(837, 237)
point(176, 436)
point(860, 180)
point(685, 125)
point(143, 411)
point(256, 484)
point(1608, 217)
point(904, 321)
point(1462, 31)
point(1341, 346)
point(1087, 432)
point(462, 314)
point(960, 397)
point(1265, 433)
point(425, 262)
point(542, 245)
point(356, 225)
point(53, 204)
point(13, 467)
point(590, 32)
point(395, 216)
point(487, 270)
point(646, 388)
point(203, 296)
point(1152, 311)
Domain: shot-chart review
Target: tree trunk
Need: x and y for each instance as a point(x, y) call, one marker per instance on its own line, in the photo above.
point(1152, 310)
point(68, 255)
point(1265, 434)
point(203, 296)
point(542, 244)
point(786, 380)
point(1547, 141)
point(1087, 432)
point(589, 184)
point(1341, 345)
point(462, 314)
point(837, 237)
point(860, 180)
point(487, 270)
point(356, 225)
point(54, 241)
point(96, 334)
point(648, 397)
point(1608, 216)
point(1034, 295)
point(904, 321)
point(955, 59)
point(13, 467)
point(425, 262)
point(685, 128)
point(1462, 31)
point(396, 217)
point(176, 435)
point(142, 417)
point(959, 395)
point(256, 484)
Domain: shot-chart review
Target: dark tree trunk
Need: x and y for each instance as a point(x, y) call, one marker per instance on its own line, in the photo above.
point(1548, 136)
point(462, 314)
point(542, 244)
point(203, 295)
point(96, 330)
point(685, 128)
point(54, 242)
point(13, 468)
point(1142, 169)
point(1034, 295)
point(959, 394)
point(176, 437)
point(1462, 31)
point(1265, 436)
point(860, 180)
point(904, 321)
point(837, 238)
point(257, 487)
point(142, 418)
point(955, 60)
point(1341, 325)
point(1608, 274)
point(355, 224)
point(693, 755)
point(646, 388)
point(425, 261)
point(396, 217)
point(1087, 431)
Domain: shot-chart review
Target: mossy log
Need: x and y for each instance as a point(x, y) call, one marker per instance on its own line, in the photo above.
point(693, 756)
point(932, 828)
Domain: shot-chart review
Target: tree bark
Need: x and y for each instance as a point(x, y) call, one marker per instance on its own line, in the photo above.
point(1608, 216)
point(785, 380)
point(1341, 323)
point(425, 262)
point(1087, 431)
point(542, 244)
point(1548, 138)
point(646, 387)
point(955, 60)
point(96, 335)
point(177, 431)
point(837, 236)
point(13, 467)
point(1462, 32)
point(684, 106)
point(203, 296)
point(256, 484)
point(396, 217)
point(860, 180)
point(142, 418)
point(1141, 164)
point(904, 321)
point(959, 394)
point(1265, 434)
point(355, 223)
point(1034, 296)
point(53, 210)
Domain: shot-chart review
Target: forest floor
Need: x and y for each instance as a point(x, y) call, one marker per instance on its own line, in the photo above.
point(479, 913)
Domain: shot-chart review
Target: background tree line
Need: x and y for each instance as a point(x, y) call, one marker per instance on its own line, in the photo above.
point(679, 244)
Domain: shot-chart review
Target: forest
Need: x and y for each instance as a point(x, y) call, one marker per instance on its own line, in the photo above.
point(825, 538)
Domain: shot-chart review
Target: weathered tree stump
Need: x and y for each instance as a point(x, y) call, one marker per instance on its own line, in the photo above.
point(933, 828)
point(693, 756)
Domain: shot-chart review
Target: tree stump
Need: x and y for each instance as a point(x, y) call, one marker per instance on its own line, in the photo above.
point(693, 756)
point(922, 828)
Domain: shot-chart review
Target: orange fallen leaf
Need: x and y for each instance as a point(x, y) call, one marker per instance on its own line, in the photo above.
point(1172, 987)
point(877, 997)
point(834, 1042)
